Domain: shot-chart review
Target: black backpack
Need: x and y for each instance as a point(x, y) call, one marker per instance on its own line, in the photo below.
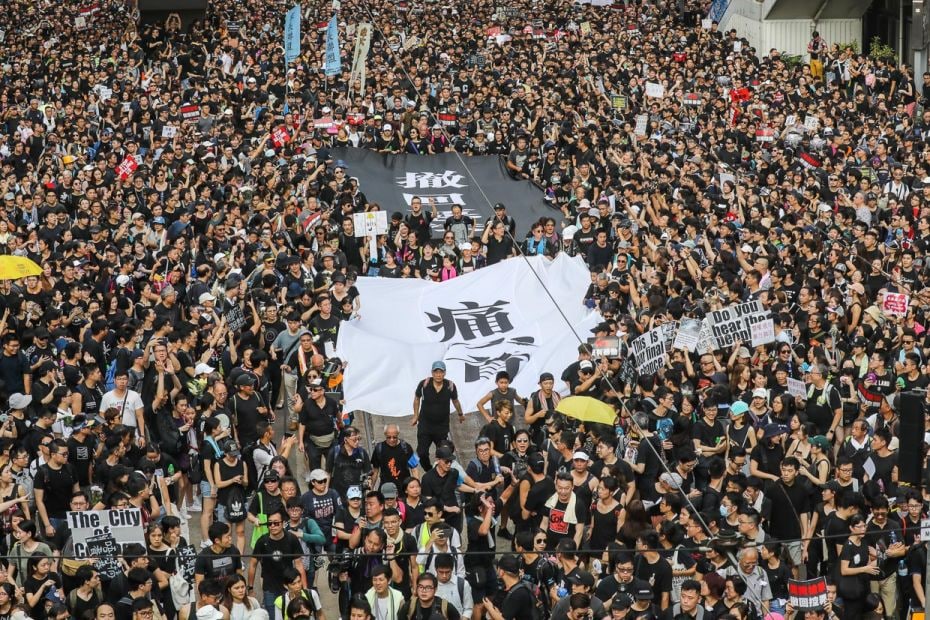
point(539, 611)
point(235, 505)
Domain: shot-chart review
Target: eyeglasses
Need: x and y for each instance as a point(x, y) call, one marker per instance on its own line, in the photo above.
point(540, 541)
point(323, 481)
point(270, 523)
point(425, 587)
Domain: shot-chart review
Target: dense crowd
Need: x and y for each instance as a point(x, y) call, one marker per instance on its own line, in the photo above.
point(175, 356)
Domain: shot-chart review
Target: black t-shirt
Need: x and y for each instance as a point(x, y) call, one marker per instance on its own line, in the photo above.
point(81, 455)
point(440, 487)
point(393, 462)
point(435, 406)
point(245, 413)
point(788, 503)
point(214, 565)
point(319, 421)
point(32, 585)
point(498, 250)
point(501, 436)
point(518, 603)
point(276, 555)
point(57, 486)
point(658, 575)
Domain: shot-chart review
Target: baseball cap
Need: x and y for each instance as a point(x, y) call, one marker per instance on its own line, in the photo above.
point(354, 492)
point(318, 475)
point(439, 365)
point(585, 365)
point(820, 441)
point(546, 376)
point(509, 564)
point(738, 408)
point(581, 578)
point(671, 479)
point(580, 456)
point(205, 297)
point(444, 454)
point(643, 594)
point(760, 393)
point(389, 490)
point(203, 369)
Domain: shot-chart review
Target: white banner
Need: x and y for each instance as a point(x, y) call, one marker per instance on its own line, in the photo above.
point(360, 56)
point(124, 525)
point(493, 319)
point(688, 334)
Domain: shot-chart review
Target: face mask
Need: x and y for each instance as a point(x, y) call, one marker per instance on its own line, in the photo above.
point(723, 511)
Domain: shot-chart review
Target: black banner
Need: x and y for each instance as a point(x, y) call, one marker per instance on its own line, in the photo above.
point(394, 180)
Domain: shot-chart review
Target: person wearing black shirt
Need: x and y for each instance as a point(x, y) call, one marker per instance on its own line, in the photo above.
point(54, 484)
point(82, 445)
point(317, 423)
point(393, 459)
point(221, 558)
point(277, 550)
point(790, 508)
point(519, 601)
point(427, 605)
point(435, 395)
point(499, 245)
point(248, 410)
point(856, 568)
point(418, 221)
point(324, 325)
point(440, 483)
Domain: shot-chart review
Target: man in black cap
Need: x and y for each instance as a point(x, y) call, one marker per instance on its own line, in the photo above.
point(642, 607)
point(440, 482)
point(581, 582)
point(519, 601)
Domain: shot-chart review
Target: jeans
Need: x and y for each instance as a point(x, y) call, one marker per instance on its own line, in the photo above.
point(268, 602)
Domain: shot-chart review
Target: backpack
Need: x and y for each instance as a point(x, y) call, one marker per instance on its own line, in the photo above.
point(539, 611)
point(235, 505)
point(443, 606)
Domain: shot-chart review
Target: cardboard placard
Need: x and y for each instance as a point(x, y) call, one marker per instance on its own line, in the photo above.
point(605, 347)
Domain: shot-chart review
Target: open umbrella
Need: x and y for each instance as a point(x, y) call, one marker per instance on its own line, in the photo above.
point(587, 409)
point(16, 267)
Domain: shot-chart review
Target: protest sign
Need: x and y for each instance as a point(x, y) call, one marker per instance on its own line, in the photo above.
point(605, 347)
point(124, 525)
point(169, 131)
point(895, 304)
point(642, 121)
point(655, 90)
point(127, 167)
point(668, 331)
point(187, 557)
point(627, 373)
point(649, 351)
point(190, 112)
point(811, 123)
point(689, 331)
point(762, 332)
point(807, 595)
point(618, 102)
point(735, 323)
point(105, 550)
point(796, 387)
point(279, 136)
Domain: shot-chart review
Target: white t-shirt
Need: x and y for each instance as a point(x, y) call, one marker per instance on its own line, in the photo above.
point(133, 402)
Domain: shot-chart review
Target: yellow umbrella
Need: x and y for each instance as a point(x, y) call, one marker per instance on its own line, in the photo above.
point(587, 409)
point(16, 267)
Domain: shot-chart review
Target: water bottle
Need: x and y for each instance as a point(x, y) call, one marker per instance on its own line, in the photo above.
point(170, 469)
point(902, 568)
point(562, 592)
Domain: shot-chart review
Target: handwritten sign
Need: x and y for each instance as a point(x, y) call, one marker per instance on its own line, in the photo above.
point(187, 557)
point(169, 131)
point(655, 90)
point(895, 304)
point(762, 332)
point(796, 387)
point(618, 102)
point(123, 525)
point(105, 550)
point(642, 121)
point(190, 112)
point(689, 332)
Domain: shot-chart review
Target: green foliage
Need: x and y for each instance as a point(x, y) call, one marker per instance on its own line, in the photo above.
point(879, 50)
point(853, 45)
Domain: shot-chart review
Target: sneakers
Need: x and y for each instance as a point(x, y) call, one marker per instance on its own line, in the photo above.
point(196, 506)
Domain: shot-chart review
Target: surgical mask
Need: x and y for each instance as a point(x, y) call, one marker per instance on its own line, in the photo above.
point(723, 511)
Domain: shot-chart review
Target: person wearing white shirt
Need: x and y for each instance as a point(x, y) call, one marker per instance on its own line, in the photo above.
point(128, 402)
point(453, 588)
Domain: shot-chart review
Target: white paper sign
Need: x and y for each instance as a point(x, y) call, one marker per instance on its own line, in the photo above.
point(796, 387)
point(733, 323)
point(649, 350)
point(762, 332)
point(125, 525)
point(925, 529)
point(80, 22)
point(642, 120)
point(655, 90)
point(688, 334)
point(737, 46)
point(169, 131)
point(811, 123)
point(706, 24)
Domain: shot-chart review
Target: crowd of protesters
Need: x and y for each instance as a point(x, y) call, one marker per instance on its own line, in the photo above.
point(175, 355)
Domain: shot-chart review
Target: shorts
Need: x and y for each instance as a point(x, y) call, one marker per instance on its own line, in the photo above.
point(220, 512)
point(204, 488)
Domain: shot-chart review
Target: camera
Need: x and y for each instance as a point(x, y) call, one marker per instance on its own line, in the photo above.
point(339, 563)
